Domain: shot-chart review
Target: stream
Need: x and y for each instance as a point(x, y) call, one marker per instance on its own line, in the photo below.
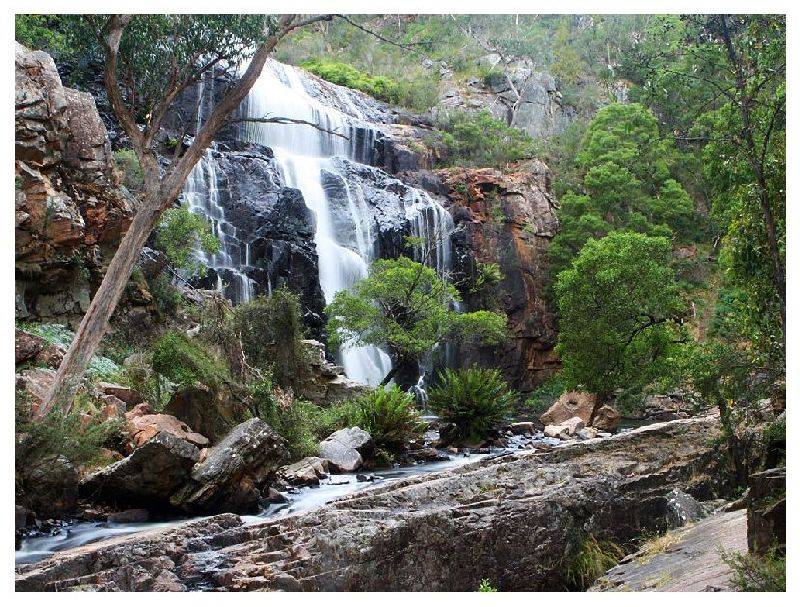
point(302, 499)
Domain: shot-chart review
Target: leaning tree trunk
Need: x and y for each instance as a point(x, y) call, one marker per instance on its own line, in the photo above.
point(161, 192)
point(95, 321)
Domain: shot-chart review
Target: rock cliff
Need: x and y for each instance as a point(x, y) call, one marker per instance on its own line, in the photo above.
point(508, 218)
point(70, 212)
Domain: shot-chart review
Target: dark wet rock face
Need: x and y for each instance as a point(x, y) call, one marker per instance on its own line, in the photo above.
point(515, 520)
point(147, 477)
point(50, 487)
point(766, 511)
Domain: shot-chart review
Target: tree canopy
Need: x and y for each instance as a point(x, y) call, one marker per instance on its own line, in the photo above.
point(620, 312)
point(626, 183)
point(406, 307)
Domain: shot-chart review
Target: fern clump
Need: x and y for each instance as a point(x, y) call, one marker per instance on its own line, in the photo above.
point(475, 400)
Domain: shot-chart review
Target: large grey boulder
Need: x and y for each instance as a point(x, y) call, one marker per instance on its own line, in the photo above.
point(148, 477)
point(345, 449)
point(230, 477)
point(308, 471)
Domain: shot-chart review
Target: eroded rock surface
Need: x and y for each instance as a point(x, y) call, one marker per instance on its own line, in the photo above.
point(515, 520)
point(508, 218)
point(70, 212)
point(690, 563)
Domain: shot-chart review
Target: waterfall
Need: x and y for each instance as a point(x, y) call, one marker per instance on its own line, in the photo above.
point(201, 194)
point(304, 154)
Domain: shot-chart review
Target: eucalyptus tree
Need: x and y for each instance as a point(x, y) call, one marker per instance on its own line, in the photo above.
point(149, 63)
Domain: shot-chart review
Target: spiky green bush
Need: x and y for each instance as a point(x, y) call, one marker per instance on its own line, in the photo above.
point(475, 400)
point(389, 415)
point(185, 361)
point(753, 573)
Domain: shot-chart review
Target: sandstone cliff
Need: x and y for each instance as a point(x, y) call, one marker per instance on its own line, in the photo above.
point(70, 212)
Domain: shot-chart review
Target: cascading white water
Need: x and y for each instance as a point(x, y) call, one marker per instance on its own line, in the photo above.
point(201, 193)
point(304, 154)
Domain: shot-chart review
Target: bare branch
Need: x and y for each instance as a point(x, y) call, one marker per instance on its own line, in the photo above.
point(284, 120)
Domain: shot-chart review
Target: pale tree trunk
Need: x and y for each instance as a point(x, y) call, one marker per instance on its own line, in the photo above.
point(95, 321)
point(160, 195)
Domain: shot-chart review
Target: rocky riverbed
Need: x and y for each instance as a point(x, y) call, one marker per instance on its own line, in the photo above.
point(517, 520)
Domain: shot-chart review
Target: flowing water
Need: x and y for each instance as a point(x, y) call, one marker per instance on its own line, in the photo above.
point(305, 155)
point(301, 500)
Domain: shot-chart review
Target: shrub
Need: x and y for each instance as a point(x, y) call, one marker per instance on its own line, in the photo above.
point(271, 330)
point(295, 420)
point(479, 139)
point(486, 586)
point(180, 234)
point(59, 433)
point(593, 559)
point(543, 397)
point(753, 573)
point(388, 414)
point(128, 163)
point(185, 361)
point(344, 74)
point(474, 399)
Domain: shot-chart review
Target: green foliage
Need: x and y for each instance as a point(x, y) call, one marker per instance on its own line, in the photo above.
point(297, 421)
point(179, 234)
point(486, 586)
point(380, 87)
point(620, 313)
point(592, 560)
point(543, 397)
point(684, 71)
point(475, 400)
point(126, 160)
point(100, 368)
point(479, 139)
point(271, 331)
point(157, 48)
point(388, 414)
point(185, 361)
point(41, 32)
point(623, 181)
point(59, 433)
point(753, 573)
point(405, 306)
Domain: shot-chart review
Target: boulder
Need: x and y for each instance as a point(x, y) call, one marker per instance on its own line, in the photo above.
point(587, 433)
point(565, 430)
point(682, 508)
point(142, 424)
point(526, 428)
point(36, 384)
point(606, 418)
point(133, 515)
point(26, 346)
point(345, 449)
point(766, 511)
point(211, 413)
point(146, 478)
point(127, 395)
point(308, 471)
point(229, 478)
point(50, 487)
point(570, 404)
